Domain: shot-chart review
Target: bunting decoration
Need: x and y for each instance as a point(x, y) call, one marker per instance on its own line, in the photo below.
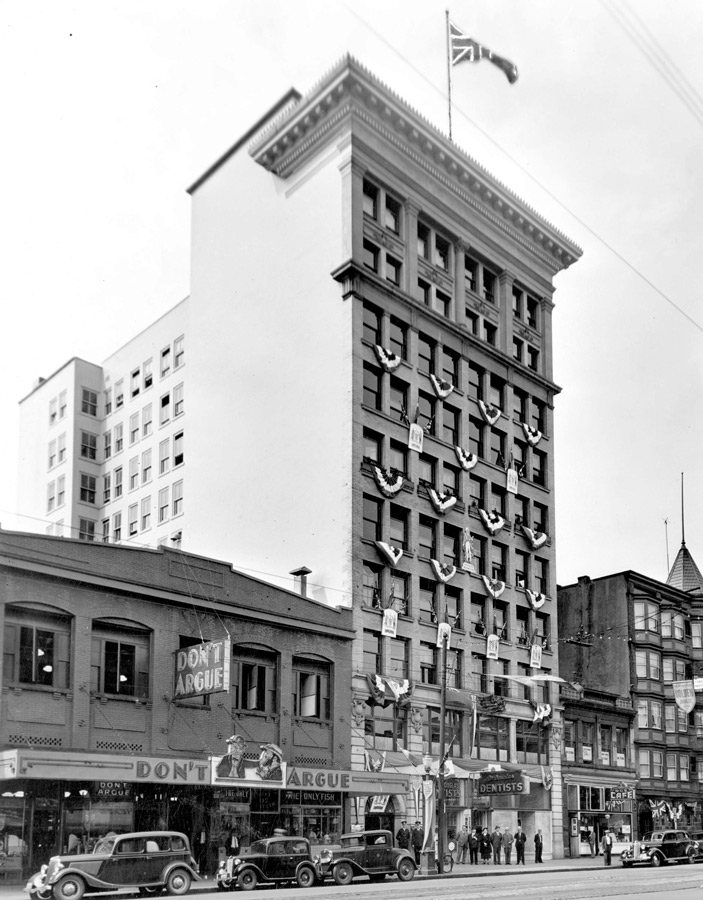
point(466, 460)
point(384, 691)
point(388, 361)
point(441, 502)
point(388, 482)
point(466, 49)
point(534, 538)
point(441, 387)
point(535, 599)
point(658, 808)
point(494, 587)
point(542, 712)
point(492, 520)
point(392, 555)
point(490, 413)
point(490, 704)
point(375, 760)
point(547, 777)
point(532, 435)
point(442, 573)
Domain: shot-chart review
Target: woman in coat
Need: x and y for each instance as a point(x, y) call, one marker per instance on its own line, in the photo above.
point(486, 847)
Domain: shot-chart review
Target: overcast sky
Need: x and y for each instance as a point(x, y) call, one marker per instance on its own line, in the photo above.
point(110, 110)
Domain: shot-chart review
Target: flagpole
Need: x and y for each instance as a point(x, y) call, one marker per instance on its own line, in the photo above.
point(449, 75)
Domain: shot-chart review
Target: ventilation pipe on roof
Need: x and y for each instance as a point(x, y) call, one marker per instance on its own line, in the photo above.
point(300, 582)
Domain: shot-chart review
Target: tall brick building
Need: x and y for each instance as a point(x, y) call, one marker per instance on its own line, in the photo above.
point(369, 391)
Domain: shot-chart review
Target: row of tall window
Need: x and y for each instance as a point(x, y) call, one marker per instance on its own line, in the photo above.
point(429, 538)
point(674, 721)
point(668, 623)
point(651, 665)
point(678, 765)
point(141, 468)
point(586, 742)
point(435, 254)
point(37, 653)
point(141, 378)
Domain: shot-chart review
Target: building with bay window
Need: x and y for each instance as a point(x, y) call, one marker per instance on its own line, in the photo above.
point(370, 390)
point(639, 642)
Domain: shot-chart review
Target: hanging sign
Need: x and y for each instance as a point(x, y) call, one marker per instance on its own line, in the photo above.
point(685, 695)
point(511, 480)
point(536, 657)
point(390, 623)
point(492, 646)
point(201, 669)
point(416, 437)
point(444, 634)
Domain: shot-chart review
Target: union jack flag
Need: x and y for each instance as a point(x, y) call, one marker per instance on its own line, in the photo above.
point(466, 49)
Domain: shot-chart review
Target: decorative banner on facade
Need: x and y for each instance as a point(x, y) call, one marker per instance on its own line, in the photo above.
point(428, 790)
point(534, 538)
point(535, 599)
point(542, 713)
point(490, 413)
point(389, 361)
point(511, 480)
point(494, 587)
point(441, 502)
point(533, 436)
point(441, 572)
point(233, 767)
point(385, 691)
point(467, 550)
point(492, 646)
point(536, 657)
point(390, 623)
point(547, 777)
point(441, 387)
point(416, 437)
point(202, 669)
point(392, 555)
point(388, 483)
point(379, 803)
point(466, 460)
point(492, 520)
point(444, 635)
point(685, 695)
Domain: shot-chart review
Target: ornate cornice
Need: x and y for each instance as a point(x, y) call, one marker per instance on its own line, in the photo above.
point(350, 92)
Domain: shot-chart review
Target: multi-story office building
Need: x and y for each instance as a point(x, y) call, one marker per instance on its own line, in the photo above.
point(642, 639)
point(370, 391)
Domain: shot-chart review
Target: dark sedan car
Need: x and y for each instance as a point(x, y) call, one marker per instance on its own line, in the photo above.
point(369, 853)
point(659, 847)
point(276, 859)
point(147, 860)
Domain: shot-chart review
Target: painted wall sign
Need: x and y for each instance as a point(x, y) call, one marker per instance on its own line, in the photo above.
point(501, 783)
point(202, 669)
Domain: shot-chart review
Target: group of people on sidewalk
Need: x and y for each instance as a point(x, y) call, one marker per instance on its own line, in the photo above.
point(480, 842)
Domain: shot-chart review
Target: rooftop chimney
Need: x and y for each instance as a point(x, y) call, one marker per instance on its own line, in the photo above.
point(301, 579)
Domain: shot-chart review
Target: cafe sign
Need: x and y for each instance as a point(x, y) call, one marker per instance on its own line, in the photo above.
point(201, 669)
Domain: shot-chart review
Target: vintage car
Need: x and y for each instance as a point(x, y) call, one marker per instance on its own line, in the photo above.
point(660, 847)
point(276, 859)
point(369, 853)
point(149, 861)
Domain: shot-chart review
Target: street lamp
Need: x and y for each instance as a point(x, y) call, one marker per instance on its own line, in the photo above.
point(442, 641)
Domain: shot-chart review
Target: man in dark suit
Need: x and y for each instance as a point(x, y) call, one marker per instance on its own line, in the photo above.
point(417, 839)
point(404, 836)
point(520, 839)
point(539, 845)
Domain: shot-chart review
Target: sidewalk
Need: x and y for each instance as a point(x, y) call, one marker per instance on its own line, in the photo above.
point(16, 891)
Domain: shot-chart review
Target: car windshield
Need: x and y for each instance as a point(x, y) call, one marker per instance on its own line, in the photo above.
point(652, 836)
point(258, 847)
point(105, 845)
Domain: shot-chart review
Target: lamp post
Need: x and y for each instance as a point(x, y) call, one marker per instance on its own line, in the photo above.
point(442, 640)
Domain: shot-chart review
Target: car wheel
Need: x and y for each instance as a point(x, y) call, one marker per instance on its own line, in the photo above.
point(37, 894)
point(343, 873)
point(70, 887)
point(406, 870)
point(247, 880)
point(178, 882)
point(305, 877)
point(692, 855)
point(656, 860)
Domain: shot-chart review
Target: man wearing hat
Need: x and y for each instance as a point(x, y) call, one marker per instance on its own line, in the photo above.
point(269, 768)
point(232, 765)
point(417, 839)
point(404, 836)
point(497, 841)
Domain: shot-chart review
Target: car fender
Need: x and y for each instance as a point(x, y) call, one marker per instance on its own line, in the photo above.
point(357, 869)
point(89, 879)
point(176, 864)
point(248, 865)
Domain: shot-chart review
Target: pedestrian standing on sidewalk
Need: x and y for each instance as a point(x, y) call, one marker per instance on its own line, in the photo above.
point(473, 847)
point(416, 841)
point(404, 836)
point(607, 847)
point(486, 847)
point(507, 845)
point(462, 842)
point(497, 841)
point(592, 841)
point(520, 838)
point(539, 846)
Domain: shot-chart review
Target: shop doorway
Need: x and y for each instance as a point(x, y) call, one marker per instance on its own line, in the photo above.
point(380, 813)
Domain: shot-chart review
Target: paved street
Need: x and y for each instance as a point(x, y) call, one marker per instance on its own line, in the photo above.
point(560, 881)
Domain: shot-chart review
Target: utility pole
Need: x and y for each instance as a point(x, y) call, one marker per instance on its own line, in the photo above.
point(442, 738)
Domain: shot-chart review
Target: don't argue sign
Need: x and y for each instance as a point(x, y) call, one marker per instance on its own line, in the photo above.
point(201, 669)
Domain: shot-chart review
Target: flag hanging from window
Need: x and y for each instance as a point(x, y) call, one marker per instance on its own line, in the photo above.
point(466, 49)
